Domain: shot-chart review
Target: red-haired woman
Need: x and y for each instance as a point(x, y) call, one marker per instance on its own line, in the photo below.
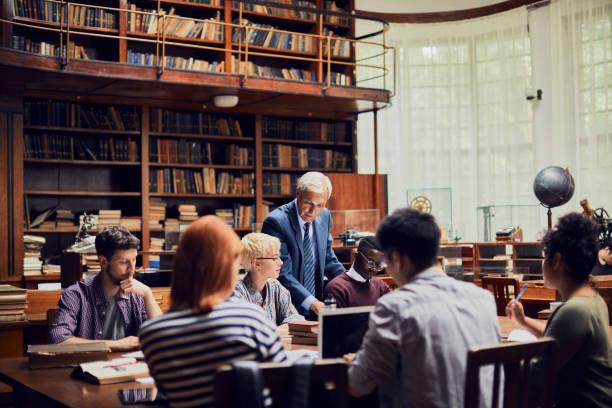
point(204, 329)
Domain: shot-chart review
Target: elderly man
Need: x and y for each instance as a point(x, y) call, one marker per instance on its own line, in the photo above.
point(303, 228)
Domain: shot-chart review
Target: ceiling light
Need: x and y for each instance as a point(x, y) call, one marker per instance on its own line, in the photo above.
point(225, 101)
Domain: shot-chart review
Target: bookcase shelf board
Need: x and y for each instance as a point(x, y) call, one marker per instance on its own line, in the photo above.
point(83, 193)
point(200, 166)
point(81, 162)
point(189, 195)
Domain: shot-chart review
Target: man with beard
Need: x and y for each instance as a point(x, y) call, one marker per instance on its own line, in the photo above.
point(357, 287)
point(111, 305)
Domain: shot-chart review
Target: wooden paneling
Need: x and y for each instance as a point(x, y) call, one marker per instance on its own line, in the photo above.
point(4, 196)
point(16, 165)
point(356, 192)
point(442, 16)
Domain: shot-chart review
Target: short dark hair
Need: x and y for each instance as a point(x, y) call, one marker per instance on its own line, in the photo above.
point(413, 234)
point(115, 238)
point(369, 243)
point(574, 238)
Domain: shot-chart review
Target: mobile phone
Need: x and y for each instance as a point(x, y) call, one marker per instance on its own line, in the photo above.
point(129, 396)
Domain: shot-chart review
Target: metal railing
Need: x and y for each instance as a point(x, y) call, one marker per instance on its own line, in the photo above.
point(320, 52)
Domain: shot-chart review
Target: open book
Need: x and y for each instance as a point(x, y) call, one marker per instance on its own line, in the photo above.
point(111, 372)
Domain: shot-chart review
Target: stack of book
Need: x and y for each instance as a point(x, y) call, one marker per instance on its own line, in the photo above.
point(12, 303)
point(131, 223)
point(190, 64)
point(156, 244)
point(187, 213)
point(32, 264)
point(64, 218)
point(51, 269)
point(304, 332)
point(253, 69)
point(22, 43)
point(92, 264)
point(226, 215)
point(157, 213)
point(108, 218)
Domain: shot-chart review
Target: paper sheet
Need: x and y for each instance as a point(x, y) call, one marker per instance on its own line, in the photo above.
point(521, 335)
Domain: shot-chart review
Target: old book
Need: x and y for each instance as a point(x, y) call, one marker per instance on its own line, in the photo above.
point(66, 355)
point(110, 372)
point(304, 326)
point(309, 341)
point(303, 334)
point(11, 290)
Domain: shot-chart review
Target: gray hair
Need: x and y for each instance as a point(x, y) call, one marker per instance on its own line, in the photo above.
point(315, 182)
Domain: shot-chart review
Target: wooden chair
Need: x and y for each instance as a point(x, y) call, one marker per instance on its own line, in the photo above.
point(504, 290)
point(519, 389)
point(606, 294)
point(328, 385)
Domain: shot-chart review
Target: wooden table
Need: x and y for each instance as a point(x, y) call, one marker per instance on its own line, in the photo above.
point(507, 325)
point(54, 387)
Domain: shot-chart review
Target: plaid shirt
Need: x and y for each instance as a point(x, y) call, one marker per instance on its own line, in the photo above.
point(82, 308)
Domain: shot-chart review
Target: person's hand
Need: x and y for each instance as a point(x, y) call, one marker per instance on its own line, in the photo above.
point(124, 344)
point(135, 286)
point(349, 357)
point(515, 311)
point(317, 306)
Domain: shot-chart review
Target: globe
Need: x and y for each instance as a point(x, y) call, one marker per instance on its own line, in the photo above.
point(553, 186)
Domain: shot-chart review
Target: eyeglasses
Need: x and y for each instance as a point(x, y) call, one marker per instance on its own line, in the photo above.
point(375, 265)
point(274, 258)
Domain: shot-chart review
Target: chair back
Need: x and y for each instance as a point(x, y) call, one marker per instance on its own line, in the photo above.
point(328, 385)
point(606, 294)
point(520, 388)
point(503, 289)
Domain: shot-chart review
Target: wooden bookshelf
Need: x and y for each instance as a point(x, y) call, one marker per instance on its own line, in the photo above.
point(86, 184)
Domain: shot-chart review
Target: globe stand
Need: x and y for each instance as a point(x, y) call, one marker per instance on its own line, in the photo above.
point(549, 213)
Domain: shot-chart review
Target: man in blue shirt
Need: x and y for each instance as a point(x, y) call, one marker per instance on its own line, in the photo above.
point(303, 226)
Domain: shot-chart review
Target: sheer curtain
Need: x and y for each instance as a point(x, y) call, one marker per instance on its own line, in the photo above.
point(581, 54)
point(460, 119)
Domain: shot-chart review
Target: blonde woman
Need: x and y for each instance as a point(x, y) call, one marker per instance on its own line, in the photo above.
point(261, 260)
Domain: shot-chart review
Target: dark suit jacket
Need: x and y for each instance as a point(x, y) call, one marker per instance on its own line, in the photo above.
point(283, 223)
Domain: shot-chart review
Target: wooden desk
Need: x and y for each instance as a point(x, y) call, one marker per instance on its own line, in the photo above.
point(507, 325)
point(54, 387)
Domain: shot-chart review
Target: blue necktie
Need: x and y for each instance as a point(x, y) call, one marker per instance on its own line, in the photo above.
point(309, 262)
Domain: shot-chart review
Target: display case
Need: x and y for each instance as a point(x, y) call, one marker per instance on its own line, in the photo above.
point(491, 218)
point(350, 225)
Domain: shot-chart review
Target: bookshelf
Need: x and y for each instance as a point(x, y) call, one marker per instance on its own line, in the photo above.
point(99, 156)
point(87, 132)
point(283, 39)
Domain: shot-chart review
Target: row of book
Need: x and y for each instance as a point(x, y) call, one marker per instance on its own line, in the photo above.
point(63, 147)
point(13, 302)
point(68, 114)
point(206, 181)
point(51, 11)
point(278, 11)
point(191, 64)
point(279, 128)
point(253, 69)
point(337, 78)
point(261, 35)
point(279, 183)
point(173, 25)
point(283, 156)
point(339, 47)
point(241, 216)
point(198, 152)
point(21, 43)
point(157, 212)
point(167, 120)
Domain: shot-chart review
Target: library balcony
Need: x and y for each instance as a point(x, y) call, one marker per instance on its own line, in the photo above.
point(282, 55)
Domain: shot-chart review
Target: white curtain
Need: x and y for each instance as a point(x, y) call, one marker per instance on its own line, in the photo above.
point(581, 54)
point(459, 121)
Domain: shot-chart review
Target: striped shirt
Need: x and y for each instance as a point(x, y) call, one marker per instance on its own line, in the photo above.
point(184, 348)
point(277, 301)
point(82, 311)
